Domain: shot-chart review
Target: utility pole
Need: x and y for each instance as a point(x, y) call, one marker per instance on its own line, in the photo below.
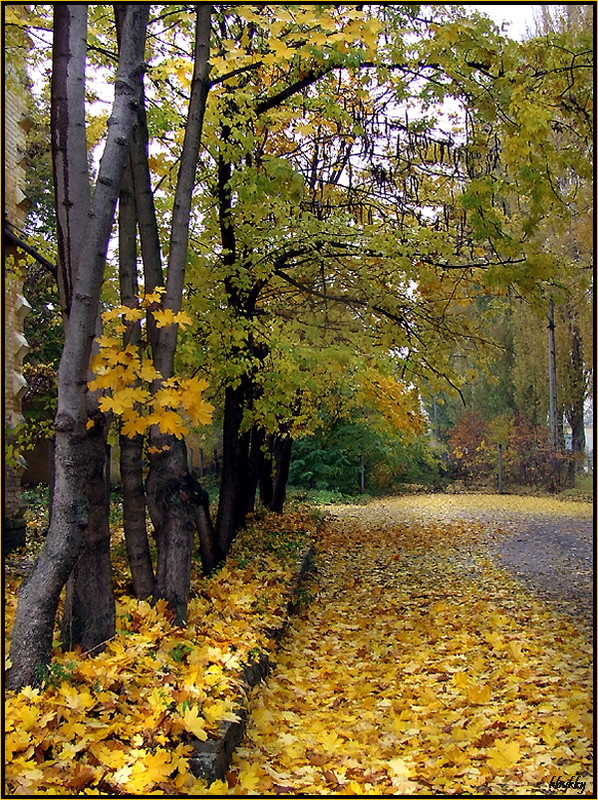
point(553, 420)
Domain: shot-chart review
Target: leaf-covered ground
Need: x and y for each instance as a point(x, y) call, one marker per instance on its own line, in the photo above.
point(120, 722)
point(418, 668)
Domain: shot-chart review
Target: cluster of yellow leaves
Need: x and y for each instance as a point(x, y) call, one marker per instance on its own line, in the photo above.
point(121, 371)
point(121, 722)
point(420, 669)
point(297, 32)
point(398, 406)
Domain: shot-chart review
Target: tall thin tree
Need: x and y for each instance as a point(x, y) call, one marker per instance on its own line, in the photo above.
point(39, 594)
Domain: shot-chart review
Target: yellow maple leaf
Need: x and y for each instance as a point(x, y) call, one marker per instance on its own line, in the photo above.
point(103, 380)
point(133, 425)
point(158, 766)
point(331, 740)
point(132, 314)
point(549, 735)
point(148, 372)
point(108, 342)
point(183, 319)
point(28, 717)
point(194, 723)
point(112, 313)
point(399, 767)
point(152, 297)
point(479, 694)
point(504, 754)
point(170, 422)
point(495, 640)
point(123, 399)
point(192, 401)
point(514, 648)
point(461, 680)
point(249, 776)
point(167, 397)
point(166, 317)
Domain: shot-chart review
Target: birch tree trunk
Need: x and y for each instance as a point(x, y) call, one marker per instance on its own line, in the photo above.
point(32, 633)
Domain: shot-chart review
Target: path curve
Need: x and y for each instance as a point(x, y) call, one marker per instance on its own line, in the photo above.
point(419, 667)
point(553, 555)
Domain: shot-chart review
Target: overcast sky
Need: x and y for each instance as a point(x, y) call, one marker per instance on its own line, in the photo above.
point(520, 16)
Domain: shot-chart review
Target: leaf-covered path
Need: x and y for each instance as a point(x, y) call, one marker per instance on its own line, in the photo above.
point(420, 667)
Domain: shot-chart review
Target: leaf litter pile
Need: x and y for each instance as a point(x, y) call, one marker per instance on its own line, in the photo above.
point(418, 668)
point(121, 722)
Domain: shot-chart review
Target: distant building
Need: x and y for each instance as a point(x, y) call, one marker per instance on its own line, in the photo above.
point(15, 306)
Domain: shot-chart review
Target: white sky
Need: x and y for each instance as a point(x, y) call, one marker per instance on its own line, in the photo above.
point(519, 16)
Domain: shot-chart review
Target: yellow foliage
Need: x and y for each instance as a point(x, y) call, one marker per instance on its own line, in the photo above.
point(123, 376)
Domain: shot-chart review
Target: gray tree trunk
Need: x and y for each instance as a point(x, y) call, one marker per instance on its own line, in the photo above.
point(131, 448)
point(32, 634)
point(69, 141)
point(172, 503)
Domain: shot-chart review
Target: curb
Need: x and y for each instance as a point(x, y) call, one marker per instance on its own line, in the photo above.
point(210, 760)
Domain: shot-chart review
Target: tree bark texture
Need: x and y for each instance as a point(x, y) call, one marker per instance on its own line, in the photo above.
point(255, 461)
point(234, 467)
point(577, 381)
point(69, 142)
point(283, 445)
point(131, 448)
point(179, 237)
point(171, 507)
point(266, 479)
point(89, 608)
point(555, 441)
point(89, 616)
point(172, 501)
point(32, 634)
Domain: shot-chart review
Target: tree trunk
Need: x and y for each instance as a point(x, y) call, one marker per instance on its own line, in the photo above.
point(211, 554)
point(131, 448)
point(69, 142)
point(283, 445)
point(134, 523)
point(89, 617)
point(577, 393)
point(89, 613)
point(172, 505)
point(552, 381)
point(254, 471)
point(232, 450)
point(32, 634)
point(266, 478)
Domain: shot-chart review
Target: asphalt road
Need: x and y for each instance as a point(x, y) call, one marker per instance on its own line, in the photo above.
point(554, 556)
